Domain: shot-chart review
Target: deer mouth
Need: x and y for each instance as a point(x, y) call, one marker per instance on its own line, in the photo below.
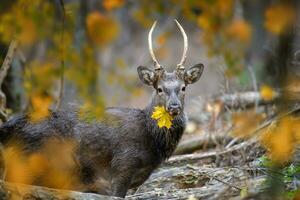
point(174, 112)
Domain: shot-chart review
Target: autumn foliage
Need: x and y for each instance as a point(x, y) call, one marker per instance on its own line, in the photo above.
point(50, 166)
point(76, 50)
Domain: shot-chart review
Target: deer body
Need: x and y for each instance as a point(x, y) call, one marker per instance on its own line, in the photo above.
point(127, 145)
point(124, 154)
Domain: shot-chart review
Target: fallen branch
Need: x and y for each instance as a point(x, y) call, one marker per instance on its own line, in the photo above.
point(243, 99)
point(199, 142)
point(20, 191)
point(191, 158)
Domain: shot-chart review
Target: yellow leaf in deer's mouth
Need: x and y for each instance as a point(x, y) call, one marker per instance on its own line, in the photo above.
point(163, 118)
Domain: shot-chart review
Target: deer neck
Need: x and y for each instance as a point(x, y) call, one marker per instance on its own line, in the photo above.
point(165, 140)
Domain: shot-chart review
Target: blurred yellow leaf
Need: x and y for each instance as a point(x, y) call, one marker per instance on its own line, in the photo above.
point(112, 4)
point(101, 28)
point(164, 119)
point(162, 38)
point(267, 93)
point(15, 165)
point(245, 123)
point(60, 173)
point(35, 76)
point(280, 140)
point(279, 17)
point(28, 33)
point(49, 166)
point(40, 107)
point(224, 6)
point(203, 22)
point(37, 164)
point(241, 30)
point(162, 52)
point(92, 110)
point(141, 17)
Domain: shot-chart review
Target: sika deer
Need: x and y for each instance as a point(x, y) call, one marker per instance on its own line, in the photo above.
point(125, 149)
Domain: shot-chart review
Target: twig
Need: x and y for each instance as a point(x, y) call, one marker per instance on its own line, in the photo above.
point(3, 116)
point(3, 73)
point(254, 82)
point(276, 118)
point(270, 121)
point(8, 60)
point(228, 184)
point(231, 142)
point(62, 65)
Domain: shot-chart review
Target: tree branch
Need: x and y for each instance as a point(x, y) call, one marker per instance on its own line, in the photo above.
point(62, 65)
point(8, 60)
point(3, 73)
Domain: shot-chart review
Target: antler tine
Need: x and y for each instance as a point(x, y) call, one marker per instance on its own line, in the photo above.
point(156, 64)
point(185, 47)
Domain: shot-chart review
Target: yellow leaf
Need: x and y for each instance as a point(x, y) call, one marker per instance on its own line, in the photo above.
point(164, 119)
point(224, 7)
point(241, 30)
point(40, 106)
point(50, 166)
point(245, 123)
point(267, 93)
point(161, 39)
point(112, 4)
point(101, 29)
point(280, 140)
point(28, 33)
point(204, 22)
point(279, 17)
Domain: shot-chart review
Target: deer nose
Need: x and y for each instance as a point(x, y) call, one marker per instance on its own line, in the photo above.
point(174, 109)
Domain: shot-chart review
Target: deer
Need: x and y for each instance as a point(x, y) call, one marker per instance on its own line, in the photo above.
point(126, 147)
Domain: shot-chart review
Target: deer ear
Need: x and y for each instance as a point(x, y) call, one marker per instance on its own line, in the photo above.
point(146, 75)
point(193, 74)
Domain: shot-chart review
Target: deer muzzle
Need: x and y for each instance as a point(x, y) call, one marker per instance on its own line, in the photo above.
point(174, 109)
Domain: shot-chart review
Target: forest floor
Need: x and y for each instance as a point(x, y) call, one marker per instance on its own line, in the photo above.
point(230, 173)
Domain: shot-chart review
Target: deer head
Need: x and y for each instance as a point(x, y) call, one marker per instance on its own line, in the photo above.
point(170, 87)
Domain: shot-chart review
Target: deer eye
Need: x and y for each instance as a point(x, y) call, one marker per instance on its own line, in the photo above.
point(159, 90)
point(183, 89)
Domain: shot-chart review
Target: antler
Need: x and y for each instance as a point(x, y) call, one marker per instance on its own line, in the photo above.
point(185, 47)
point(156, 64)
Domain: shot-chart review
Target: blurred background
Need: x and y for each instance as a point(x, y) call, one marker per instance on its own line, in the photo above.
point(99, 45)
point(56, 53)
